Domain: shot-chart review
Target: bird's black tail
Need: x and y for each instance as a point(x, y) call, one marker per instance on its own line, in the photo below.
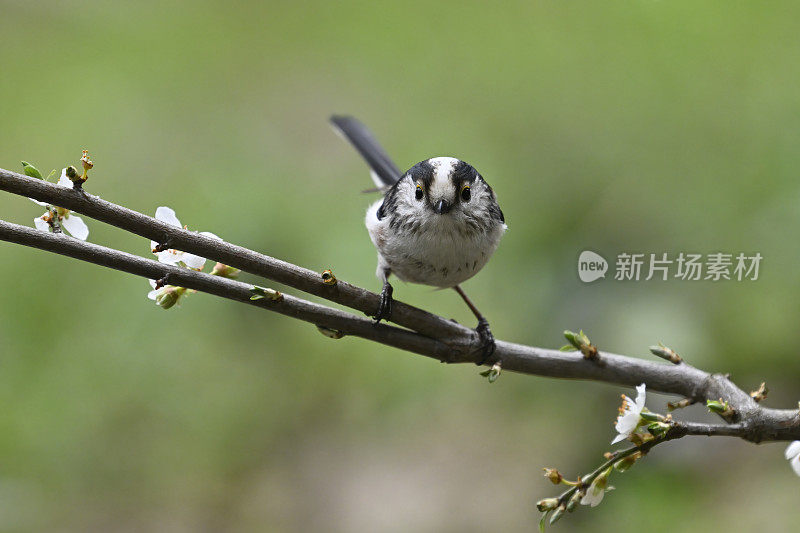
point(384, 172)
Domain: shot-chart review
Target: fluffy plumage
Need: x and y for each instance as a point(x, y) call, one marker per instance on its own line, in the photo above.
point(426, 228)
point(419, 244)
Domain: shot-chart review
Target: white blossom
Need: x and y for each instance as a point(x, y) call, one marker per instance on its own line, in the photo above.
point(72, 224)
point(792, 454)
point(629, 412)
point(178, 257)
point(597, 489)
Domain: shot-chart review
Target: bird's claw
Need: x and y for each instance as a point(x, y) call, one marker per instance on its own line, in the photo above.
point(385, 305)
point(487, 341)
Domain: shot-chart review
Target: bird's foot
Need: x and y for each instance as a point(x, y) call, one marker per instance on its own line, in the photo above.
point(487, 341)
point(385, 307)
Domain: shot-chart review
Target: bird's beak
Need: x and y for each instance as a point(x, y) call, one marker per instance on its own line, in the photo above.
point(441, 207)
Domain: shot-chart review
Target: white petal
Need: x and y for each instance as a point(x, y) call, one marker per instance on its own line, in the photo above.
point(165, 214)
point(76, 227)
point(64, 181)
point(41, 224)
point(796, 465)
point(43, 204)
point(627, 423)
point(170, 257)
point(152, 294)
point(621, 437)
point(193, 261)
point(593, 498)
point(793, 450)
point(152, 283)
point(640, 397)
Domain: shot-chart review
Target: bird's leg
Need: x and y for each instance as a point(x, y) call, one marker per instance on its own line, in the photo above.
point(385, 305)
point(484, 332)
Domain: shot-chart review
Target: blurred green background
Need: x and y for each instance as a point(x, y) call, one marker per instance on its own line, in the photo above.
point(638, 126)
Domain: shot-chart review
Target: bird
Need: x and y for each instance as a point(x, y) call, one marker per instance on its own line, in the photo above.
point(437, 224)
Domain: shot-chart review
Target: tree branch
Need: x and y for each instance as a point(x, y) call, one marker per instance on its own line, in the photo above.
point(435, 336)
point(233, 290)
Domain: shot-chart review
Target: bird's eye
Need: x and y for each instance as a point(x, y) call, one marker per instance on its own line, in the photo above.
point(465, 194)
point(419, 194)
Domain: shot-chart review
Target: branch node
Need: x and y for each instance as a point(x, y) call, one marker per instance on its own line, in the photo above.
point(162, 247)
point(581, 342)
point(760, 393)
point(330, 332)
point(666, 353)
point(162, 282)
point(680, 404)
point(260, 293)
point(328, 278)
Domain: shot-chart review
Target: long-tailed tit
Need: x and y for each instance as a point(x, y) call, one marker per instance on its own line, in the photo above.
point(437, 224)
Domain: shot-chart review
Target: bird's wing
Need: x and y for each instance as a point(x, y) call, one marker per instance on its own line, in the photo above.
point(384, 172)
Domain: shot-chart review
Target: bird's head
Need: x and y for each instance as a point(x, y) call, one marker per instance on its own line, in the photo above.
point(446, 187)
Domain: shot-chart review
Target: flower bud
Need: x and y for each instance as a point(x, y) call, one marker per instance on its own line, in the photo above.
point(493, 373)
point(72, 173)
point(556, 516)
point(169, 297)
point(650, 417)
point(224, 271)
point(626, 462)
point(574, 500)
point(572, 337)
point(719, 407)
point(258, 293)
point(760, 393)
point(658, 429)
point(665, 353)
point(548, 504)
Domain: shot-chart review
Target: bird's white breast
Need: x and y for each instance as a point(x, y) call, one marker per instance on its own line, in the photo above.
point(437, 251)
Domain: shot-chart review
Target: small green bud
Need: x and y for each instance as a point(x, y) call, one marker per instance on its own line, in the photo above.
point(259, 293)
point(72, 174)
point(548, 504)
point(626, 462)
point(224, 271)
point(650, 417)
point(31, 170)
point(574, 500)
point(556, 516)
point(760, 393)
point(658, 429)
point(665, 353)
point(493, 373)
point(170, 297)
point(581, 342)
point(572, 337)
point(719, 407)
